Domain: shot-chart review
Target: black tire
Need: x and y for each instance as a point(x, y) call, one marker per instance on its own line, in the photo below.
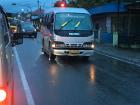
point(24, 36)
point(52, 57)
point(43, 51)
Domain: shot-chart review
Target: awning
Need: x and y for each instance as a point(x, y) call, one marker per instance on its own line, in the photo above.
point(107, 8)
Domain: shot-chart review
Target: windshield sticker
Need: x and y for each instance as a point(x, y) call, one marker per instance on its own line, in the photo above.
point(72, 16)
point(74, 33)
point(75, 16)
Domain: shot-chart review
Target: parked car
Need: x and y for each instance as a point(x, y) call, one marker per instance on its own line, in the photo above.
point(7, 40)
point(27, 29)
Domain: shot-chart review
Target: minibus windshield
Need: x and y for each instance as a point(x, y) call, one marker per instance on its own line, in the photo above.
point(27, 26)
point(73, 21)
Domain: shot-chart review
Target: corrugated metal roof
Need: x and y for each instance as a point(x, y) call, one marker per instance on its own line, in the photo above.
point(107, 8)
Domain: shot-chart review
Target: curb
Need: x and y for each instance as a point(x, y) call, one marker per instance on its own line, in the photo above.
point(129, 61)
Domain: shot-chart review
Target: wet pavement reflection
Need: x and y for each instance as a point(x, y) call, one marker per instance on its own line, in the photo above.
point(92, 74)
point(73, 81)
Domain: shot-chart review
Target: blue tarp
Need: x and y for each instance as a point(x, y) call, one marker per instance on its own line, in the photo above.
point(107, 8)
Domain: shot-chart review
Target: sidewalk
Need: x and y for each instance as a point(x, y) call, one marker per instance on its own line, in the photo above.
point(127, 55)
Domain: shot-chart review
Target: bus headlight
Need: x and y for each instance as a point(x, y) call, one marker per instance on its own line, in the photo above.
point(93, 46)
point(88, 45)
point(58, 45)
point(53, 45)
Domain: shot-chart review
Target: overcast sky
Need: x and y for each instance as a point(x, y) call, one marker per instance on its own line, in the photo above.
point(25, 4)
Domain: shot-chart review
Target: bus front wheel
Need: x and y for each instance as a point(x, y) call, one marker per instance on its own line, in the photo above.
point(52, 57)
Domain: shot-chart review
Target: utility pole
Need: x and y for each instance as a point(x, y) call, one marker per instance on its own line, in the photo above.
point(38, 3)
point(39, 7)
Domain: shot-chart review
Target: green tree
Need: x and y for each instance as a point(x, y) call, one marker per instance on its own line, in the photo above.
point(91, 3)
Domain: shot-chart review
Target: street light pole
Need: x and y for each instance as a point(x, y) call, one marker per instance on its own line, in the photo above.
point(39, 7)
point(38, 3)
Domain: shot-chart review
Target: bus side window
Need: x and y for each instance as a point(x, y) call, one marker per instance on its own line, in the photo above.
point(52, 18)
point(50, 21)
point(45, 20)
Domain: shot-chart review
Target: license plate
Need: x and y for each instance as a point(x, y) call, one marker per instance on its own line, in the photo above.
point(74, 51)
point(29, 31)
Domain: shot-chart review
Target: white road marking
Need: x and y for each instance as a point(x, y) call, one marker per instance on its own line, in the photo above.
point(25, 84)
point(119, 59)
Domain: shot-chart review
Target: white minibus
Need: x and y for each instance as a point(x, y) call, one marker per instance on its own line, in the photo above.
point(67, 32)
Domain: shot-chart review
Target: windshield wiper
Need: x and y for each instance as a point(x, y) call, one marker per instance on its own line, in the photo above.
point(65, 24)
point(77, 24)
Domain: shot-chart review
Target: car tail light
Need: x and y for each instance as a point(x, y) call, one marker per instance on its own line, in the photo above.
point(14, 30)
point(3, 95)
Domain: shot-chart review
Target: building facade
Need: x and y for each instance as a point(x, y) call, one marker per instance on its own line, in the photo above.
point(123, 19)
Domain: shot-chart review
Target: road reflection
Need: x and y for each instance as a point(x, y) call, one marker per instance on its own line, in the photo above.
point(68, 66)
point(53, 71)
point(92, 74)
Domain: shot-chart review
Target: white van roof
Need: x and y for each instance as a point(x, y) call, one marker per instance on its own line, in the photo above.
point(67, 9)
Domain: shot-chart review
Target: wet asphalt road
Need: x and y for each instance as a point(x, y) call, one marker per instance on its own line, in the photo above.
point(69, 81)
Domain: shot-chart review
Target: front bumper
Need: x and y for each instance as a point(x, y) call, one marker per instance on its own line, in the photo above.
point(29, 33)
point(66, 52)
